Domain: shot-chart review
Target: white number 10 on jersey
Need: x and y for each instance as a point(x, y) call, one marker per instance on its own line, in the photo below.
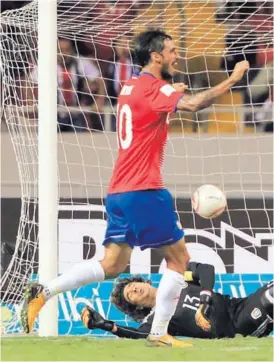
point(125, 134)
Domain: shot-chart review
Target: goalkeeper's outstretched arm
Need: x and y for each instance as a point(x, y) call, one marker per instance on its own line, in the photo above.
point(204, 99)
point(134, 333)
point(94, 320)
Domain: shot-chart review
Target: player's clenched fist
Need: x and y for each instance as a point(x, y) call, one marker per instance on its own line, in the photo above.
point(239, 70)
point(180, 87)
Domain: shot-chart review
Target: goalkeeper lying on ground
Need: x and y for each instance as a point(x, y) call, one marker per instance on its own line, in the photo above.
point(200, 313)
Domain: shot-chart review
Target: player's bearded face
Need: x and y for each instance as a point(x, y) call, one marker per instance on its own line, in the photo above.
point(165, 72)
point(169, 60)
point(138, 293)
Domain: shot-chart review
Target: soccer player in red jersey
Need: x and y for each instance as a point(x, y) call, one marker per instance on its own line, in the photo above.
point(139, 208)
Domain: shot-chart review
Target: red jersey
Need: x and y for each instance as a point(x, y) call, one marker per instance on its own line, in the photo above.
point(142, 123)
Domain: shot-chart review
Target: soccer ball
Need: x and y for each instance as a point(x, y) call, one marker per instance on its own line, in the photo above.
point(208, 201)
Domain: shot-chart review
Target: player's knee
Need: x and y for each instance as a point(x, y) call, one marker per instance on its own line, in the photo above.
point(112, 268)
point(177, 257)
point(111, 272)
point(176, 266)
point(177, 263)
point(187, 259)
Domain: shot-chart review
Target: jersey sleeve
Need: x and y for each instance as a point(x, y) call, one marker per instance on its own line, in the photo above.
point(133, 333)
point(163, 97)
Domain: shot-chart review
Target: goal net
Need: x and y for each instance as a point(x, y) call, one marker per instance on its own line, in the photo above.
point(225, 145)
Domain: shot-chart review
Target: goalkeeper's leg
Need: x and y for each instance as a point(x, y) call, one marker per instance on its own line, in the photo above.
point(115, 261)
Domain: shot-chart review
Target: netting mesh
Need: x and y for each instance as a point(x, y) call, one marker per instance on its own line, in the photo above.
point(223, 145)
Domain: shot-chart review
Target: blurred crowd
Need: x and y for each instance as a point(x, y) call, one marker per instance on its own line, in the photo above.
point(252, 18)
point(10, 5)
point(91, 76)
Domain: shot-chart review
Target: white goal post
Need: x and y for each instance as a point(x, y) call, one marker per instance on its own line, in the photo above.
point(47, 159)
point(60, 145)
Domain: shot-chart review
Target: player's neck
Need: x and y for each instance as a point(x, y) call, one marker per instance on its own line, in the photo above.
point(152, 70)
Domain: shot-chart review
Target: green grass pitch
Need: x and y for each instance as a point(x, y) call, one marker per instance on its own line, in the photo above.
point(91, 349)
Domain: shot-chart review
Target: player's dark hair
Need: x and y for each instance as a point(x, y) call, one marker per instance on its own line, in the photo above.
point(136, 312)
point(146, 43)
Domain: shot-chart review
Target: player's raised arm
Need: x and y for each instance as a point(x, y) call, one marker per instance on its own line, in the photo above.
point(203, 274)
point(194, 103)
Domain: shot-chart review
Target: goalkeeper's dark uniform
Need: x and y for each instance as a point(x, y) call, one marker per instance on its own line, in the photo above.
point(228, 316)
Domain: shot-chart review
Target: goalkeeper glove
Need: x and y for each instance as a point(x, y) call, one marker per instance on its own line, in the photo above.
point(93, 320)
point(202, 316)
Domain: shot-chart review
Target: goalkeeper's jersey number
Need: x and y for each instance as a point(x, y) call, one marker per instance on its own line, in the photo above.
point(191, 302)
